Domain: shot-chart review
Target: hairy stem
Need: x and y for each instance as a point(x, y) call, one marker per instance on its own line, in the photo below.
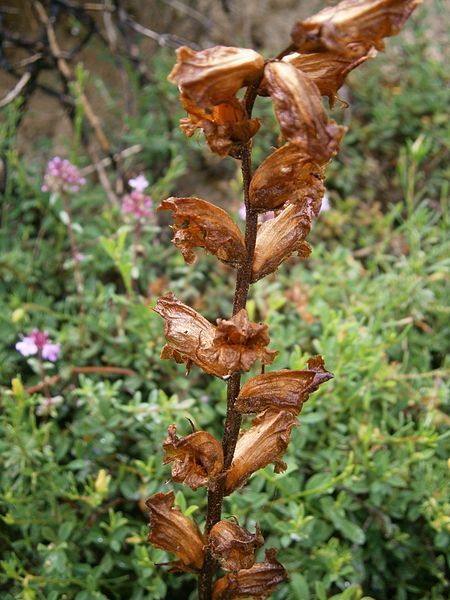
point(233, 418)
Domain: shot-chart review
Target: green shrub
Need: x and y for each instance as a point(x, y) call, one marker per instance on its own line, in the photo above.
point(363, 508)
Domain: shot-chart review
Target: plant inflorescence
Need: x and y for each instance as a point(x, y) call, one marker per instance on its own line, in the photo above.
point(289, 184)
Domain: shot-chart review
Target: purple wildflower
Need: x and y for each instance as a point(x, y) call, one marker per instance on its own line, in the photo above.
point(137, 204)
point(62, 176)
point(38, 342)
point(139, 183)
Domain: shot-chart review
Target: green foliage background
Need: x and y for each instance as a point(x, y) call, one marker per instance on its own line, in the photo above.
point(363, 509)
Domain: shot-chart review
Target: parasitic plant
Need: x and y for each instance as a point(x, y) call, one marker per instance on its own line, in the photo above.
point(289, 183)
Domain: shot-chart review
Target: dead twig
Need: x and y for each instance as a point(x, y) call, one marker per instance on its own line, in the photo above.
point(17, 90)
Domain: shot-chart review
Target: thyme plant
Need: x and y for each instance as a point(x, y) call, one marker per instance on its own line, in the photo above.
point(323, 50)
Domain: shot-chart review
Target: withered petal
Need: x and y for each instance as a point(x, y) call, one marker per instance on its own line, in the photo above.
point(286, 175)
point(234, 345)
point(214, 75)
point(226, 126)
point(240, 343)
point(198, 223)
point(278, 238)
point(301, 113)
point(172, 531)
point(365, 22)
point(329, 69)
point(197, 458)
point(282, 390)
point(187, 333)
point(233, 546)
point(259, 582)
point(264, 443)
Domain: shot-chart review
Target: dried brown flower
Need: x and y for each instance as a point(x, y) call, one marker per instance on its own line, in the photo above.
point(241, 343)
point(278, 238)
point(172, 531)
point(329, 69)
point(208, 81)
point(264, 443)
point(301, 113)
point(198, 223)
point(363, 23)
point(214, 75)
point(286, 175)
point(257, 583)
point(234, 345)
point(226, 126)
point(234, 546)
point(282, 390)
point(197, 458)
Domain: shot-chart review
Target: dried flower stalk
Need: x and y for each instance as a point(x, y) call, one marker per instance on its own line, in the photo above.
point(324, 49)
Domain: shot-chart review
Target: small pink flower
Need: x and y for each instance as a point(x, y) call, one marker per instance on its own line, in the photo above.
point(139, 183)
point(62, 176)
point(137, 205)
point(242, 212)
point(38, 342)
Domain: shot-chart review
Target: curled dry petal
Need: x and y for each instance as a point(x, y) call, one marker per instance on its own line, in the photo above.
point(198, 223)
point(278, 238)
point(197, 458)
point(286, 175)
point(241, 343)
point(188, 333)
point(364, 22)
point(329, 69)
point(264, 443)
point(208, 81)
point(258, 583)
point(234, 345)
point(282, 390)
point(172, 531)
point(234, 546)
point(226, 126)
point(300, 112)
point(214, 75)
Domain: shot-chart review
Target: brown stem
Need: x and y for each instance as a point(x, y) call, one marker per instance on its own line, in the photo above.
point(233, 418)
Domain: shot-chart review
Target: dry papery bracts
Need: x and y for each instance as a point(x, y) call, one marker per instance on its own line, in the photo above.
point(322, 51)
